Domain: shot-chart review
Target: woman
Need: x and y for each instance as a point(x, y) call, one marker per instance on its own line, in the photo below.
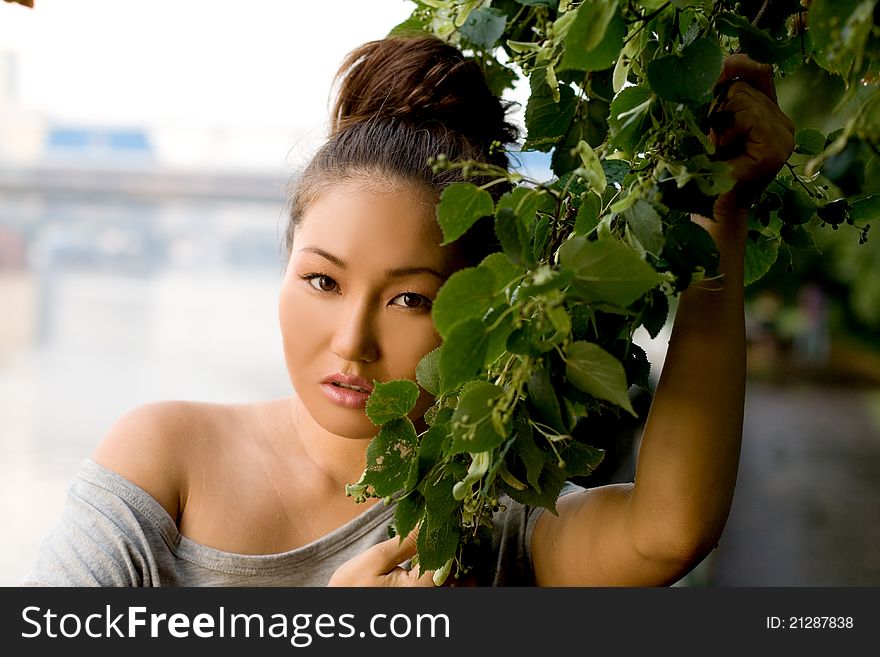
point(182, 493)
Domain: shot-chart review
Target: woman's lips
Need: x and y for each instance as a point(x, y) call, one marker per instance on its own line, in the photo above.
point(344, 396)
point(347, 390)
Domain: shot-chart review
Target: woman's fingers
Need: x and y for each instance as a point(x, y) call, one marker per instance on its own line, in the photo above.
point(390, 556)
point(751, 132)
point(385, 556)
point(402, 577)
point(382, 565)
point(758, 75)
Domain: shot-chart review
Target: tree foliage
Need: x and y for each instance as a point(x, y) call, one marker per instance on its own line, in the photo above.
point(538, 339)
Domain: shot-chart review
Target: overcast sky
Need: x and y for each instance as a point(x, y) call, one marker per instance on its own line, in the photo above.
point(259, 66)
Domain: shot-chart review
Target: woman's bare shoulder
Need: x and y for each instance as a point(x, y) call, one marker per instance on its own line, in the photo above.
point(155, 444)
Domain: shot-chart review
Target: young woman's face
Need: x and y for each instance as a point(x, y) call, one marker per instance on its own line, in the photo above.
point(355, 304)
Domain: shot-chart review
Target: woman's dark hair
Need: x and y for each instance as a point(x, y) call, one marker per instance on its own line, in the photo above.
point(399, 102)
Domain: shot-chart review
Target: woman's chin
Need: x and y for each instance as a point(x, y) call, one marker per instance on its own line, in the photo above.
point(354, 428)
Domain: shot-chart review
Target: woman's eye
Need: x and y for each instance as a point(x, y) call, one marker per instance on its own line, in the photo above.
point(322, 283)
point(411, 300)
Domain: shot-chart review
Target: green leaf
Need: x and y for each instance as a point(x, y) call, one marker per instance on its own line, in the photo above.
point(439, 535)
point(591, 168)
point(797, 237)
point(433, 443)
point(645, 222)
point(428, 372)
point(580, 459)
point(593, 370)
point(389, 457)
point(809, 141)
point(511, 234)
point(590, 124)
point(834, 212)
point(504, 270)
point(655, 315)
point(437, 543)
point(461, 204)
point(606, 271)
point(797, 208)
point(523, 201)
point(595, 38)
point(541, 237)
point(759, 257)
point(689, 246)
point(688, 77)
point(484, 27)
point(588, 215)
point(527, 451)
point(591, 23)
point(466, 294)
point(616, 171)
point(412, 25)
point(502, 323)
point(637, 367)
point(520, 341)
point(712, 178)
point(542, 280)
point(629, 111)
point(463, 354)
point(755, 42)
point(547, 491)
point(542, 396)
point(408, 513)
point(865, 209)
point(391, 400)
point(440, 532)
point(439, 502)
point(547, 120)
point(472, 427)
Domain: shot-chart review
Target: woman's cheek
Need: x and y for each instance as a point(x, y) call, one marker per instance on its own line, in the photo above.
point(411, 340)
point(412, 345)
point(287, 314)
point(302, 326)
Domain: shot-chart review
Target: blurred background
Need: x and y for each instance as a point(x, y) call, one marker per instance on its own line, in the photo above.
point(144, 152)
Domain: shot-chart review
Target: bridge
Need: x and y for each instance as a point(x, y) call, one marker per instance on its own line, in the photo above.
point(52, 180)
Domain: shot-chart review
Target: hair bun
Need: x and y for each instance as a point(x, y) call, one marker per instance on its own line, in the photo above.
point(418, 80)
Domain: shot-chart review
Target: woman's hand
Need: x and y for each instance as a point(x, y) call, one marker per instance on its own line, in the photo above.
point(749, 130)
point(380, 566)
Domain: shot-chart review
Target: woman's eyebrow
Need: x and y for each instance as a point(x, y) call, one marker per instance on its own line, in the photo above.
point(398, 272)
point(327, 256)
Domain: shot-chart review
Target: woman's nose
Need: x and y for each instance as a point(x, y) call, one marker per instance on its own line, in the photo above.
point(354, 339)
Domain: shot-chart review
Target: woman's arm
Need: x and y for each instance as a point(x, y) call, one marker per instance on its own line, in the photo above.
point(655, 530)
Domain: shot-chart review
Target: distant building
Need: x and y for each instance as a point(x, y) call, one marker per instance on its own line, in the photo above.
point(97, 146)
